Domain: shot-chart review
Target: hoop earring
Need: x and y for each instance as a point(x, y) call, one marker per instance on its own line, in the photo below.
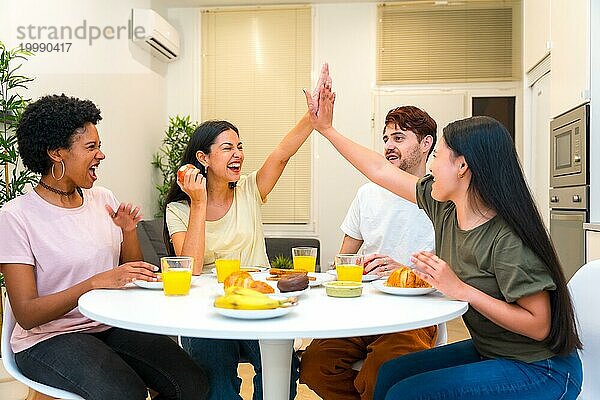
point(63, 171)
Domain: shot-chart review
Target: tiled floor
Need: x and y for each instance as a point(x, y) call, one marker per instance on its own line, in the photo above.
point(456, 332)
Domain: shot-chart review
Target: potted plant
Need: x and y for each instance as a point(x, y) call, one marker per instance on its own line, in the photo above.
point(168, 157)
point(14, 178)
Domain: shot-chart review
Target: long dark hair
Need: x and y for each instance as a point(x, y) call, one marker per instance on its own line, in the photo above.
point(497, 181)
point(202, 139)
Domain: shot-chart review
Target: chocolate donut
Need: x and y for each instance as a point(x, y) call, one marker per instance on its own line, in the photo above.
point(292, 283)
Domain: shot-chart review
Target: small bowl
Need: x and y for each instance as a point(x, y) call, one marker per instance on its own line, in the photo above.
point(343, 289)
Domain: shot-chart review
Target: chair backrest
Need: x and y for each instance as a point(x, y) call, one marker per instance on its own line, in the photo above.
point(283, 246)
point(584, 289)
point(150, 236)
point(8, 359)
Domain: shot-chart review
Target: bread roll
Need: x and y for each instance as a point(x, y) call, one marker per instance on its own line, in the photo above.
point(405, 278)
point(244, 279)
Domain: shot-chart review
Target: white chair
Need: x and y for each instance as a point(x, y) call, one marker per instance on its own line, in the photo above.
point(584, 289)
point(8, 358)
point(442, 339)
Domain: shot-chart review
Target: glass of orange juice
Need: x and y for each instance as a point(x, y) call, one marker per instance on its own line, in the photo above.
point(227, 262)
point(176, 275)
point(305, 258)
point(349, 267)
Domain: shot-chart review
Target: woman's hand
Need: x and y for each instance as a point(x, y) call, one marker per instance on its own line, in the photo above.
point(125, 217)
point(438, 274)
point(321, 118)
point(194, 185)
point(380, 264)
point(125, 273)
point(324, 79)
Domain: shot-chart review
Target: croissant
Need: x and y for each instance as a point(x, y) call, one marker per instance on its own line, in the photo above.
point(244, 279)
point(405, 278)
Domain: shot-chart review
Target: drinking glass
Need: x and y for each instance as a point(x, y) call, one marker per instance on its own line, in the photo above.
point(349, 267)
point(305, 258)
point(227, 262)
point(176, 275)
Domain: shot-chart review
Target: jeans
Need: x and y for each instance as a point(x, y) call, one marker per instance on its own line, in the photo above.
point(457, 371)
point(115, 364)
point(220, 358)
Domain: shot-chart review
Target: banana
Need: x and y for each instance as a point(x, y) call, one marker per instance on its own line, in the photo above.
point(247, 299)
point(243, 291)
point(241, 302)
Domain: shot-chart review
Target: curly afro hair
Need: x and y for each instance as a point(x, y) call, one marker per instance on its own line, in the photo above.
point(49, 124)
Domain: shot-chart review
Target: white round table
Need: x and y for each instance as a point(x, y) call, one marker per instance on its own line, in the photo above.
point(316, 316)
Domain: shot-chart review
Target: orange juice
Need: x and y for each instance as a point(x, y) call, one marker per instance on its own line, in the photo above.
point(226, 268)
point(306, 263)
point(347, 272)
point(177, 281)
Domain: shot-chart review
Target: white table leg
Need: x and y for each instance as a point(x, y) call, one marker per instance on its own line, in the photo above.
point(276, 357)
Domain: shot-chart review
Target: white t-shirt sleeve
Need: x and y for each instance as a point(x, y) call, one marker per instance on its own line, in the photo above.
point(14, 246)
point(351, 224)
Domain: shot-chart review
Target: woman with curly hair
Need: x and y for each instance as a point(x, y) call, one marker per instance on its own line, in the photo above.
point(67, 238)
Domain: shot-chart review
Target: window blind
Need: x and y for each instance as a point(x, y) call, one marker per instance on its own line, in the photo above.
point(474, 41)
point(254, 64)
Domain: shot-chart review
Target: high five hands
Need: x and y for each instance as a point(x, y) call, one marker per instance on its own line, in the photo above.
point(320, 101)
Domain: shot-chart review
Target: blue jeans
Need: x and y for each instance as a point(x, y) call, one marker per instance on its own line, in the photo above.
point(220, 358)
point(116, 364)
point(457, 371)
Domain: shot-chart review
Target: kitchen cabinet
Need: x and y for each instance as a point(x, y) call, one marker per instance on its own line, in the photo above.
point(536, 32)
point(570, 63)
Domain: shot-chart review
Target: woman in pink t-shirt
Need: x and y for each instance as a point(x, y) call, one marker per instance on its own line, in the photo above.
point(64, 239)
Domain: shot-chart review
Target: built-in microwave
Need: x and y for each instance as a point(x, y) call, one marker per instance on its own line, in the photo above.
point(569, 148)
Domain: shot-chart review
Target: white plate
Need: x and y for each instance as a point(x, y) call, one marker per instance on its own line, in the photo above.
point(380, 285)
point(156, 285)
point(296, 293)
point(321, 278)
point(253, 314)
point(365, 278)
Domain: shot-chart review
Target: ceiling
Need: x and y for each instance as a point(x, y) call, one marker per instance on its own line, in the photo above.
point(218, 3)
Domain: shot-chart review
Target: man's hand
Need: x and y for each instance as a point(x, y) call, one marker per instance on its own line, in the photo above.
point(380, 264)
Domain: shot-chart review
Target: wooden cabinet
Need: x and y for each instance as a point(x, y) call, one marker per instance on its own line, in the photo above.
point(570, 27)
point(536, 32)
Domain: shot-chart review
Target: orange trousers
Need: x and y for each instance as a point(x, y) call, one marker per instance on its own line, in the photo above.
point(326, 365)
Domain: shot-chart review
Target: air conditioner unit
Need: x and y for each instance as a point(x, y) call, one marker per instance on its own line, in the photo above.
point(154, 34)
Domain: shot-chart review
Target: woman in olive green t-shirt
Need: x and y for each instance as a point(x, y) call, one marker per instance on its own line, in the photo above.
point(493, 252)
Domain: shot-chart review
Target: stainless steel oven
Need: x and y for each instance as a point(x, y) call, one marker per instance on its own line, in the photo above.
point(569, 178)
point(567, 216)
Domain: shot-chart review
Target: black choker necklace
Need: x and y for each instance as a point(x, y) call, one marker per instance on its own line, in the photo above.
point(57, 191)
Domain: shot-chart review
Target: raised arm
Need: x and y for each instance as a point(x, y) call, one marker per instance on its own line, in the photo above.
point(373, 165)
point(271, 170)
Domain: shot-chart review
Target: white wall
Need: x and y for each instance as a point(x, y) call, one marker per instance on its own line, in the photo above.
point(126, 83)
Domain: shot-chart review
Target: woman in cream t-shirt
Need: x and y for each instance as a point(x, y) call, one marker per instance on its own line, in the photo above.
point(213, 207)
